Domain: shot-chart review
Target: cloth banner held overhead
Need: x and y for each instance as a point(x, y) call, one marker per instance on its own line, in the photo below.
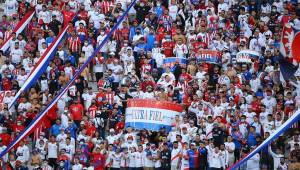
point(246, 56)
point(151, 114)
point(171, 61)
point(209, 56)
point(293, 119)
point(35, 122)
point(18, 29)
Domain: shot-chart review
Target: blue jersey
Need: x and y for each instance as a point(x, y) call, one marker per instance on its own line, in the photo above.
point(193, 158)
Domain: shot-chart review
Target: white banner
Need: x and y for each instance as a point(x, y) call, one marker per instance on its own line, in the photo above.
point(151, 114)
point(246, 56)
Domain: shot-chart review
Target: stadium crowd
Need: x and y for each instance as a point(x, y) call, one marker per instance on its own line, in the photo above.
point(229, 107)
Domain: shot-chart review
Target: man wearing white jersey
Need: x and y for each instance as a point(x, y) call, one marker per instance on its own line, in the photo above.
point(44, 15)
point(175, 156)
point(52, 149)
point(23, 152)
point(253, 162)
point(11, 7)
point(276, 156)
point(147, 158)
point(16, 54)
point(139, 158)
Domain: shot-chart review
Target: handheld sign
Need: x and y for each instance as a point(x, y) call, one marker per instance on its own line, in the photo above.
point(246, 56)
point(209, 56)
point(171, 61)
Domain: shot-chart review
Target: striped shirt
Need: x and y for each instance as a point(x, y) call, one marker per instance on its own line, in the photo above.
point(110, 97)
point(74, 43)
point(105, 5)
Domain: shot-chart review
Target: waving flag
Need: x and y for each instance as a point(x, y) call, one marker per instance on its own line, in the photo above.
point(39, 117)
point(290, 53)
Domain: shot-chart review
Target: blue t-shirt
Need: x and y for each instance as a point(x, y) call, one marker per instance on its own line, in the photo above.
point(55, 129)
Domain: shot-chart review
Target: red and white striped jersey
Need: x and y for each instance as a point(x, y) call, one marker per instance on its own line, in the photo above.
point(146, 68)
point(105, 5)
point(7, 34)
point(16, 71)
point(182, 85)
point(74, 43)
point(92, 111)
point(206, 38)
point(110, 97)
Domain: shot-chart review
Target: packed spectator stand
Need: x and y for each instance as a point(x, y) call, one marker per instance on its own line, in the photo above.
point(218, 59)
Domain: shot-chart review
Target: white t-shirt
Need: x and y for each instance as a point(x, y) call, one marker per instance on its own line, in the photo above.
point(77, 167)
point(22, 106)
point(88, 50)
point(249, 116)
point(5, 157)
point(139, 159)
point(173, 9)
point(45, 16)
point(159, 58)
point(16, 55)
point(100, 38)
point(223, 6)
point(184, 161)
point(269, 103)
point(116, 69)
point(21, 79)
point(132, 160)
point(116, 163)
point(88, 99)
point(175, 156)
point(23, 153)
point(112, 138)
point(70, 150)
point(52, 150)
point(253, 162)
point(146, 161)
point(215, 160)
point(11, 7)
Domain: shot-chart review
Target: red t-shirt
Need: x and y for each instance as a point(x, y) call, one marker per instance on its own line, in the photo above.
point(92, 111)
point(6, 139)
point(83, 15)
point(168, 48)
point(51, 114)
point(98, 161)
point(99, 98)
point(6, 84)
point(76, 111)
point(90, 129)
point(160, 33)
